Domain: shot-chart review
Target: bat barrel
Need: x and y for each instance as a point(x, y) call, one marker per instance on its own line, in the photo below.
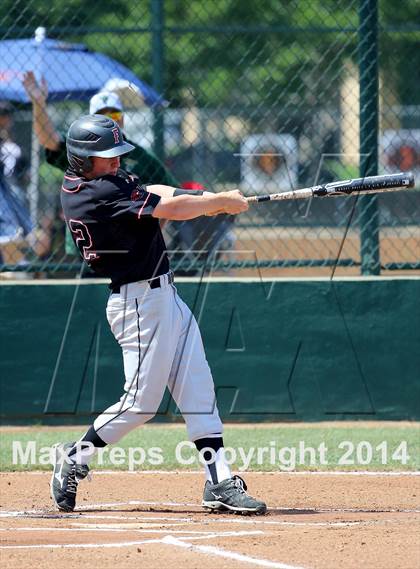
point(411, 180)
point(367, 185)
point(402, 179)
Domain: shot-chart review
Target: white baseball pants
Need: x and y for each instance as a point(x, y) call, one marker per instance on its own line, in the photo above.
point(162, 347)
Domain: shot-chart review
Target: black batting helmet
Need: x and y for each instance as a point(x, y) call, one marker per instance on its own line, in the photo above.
point(94, 135)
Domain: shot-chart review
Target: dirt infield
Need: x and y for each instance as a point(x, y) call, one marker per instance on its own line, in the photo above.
point(315, 521)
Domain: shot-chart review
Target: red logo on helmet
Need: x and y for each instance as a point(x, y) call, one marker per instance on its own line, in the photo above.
point(116, 133)
point(135, 195)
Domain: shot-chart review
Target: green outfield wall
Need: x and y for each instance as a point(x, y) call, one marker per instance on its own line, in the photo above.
point(282, 350)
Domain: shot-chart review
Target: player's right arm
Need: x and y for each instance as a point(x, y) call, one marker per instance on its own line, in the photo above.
point(118, 197)
point(44, 129)
point(184, 207)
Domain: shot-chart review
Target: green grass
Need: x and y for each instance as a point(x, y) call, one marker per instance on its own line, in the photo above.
point(365, 436)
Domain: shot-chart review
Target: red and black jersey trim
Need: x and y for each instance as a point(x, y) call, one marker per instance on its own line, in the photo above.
point(72, 183)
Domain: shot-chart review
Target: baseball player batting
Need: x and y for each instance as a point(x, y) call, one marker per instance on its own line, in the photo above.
point(114, 222)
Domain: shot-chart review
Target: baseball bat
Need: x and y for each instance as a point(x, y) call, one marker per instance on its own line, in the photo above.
point(368, 185)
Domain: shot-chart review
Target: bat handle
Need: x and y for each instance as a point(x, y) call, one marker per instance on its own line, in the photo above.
point(255, 199)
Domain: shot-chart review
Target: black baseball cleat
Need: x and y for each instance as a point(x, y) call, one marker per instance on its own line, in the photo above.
point(65, 478)
point(230, 495)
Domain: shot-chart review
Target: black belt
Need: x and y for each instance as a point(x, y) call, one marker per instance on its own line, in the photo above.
point(153, 283)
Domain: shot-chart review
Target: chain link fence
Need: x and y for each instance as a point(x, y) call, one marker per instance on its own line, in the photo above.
point(228, 94)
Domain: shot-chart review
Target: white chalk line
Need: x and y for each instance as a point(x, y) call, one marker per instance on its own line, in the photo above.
point(219, 552)
point(136, 530)
point(134, 526)
point(123, 543)
point(140, 503)
point(81, 545)
point(75, 516)
point(270, 508)
point(150, 518)
point(107, 505)
point(104, 529)
point(314, 524)
point(171, 541)
point(102, 505)
point(310, 510)
point(127, 527)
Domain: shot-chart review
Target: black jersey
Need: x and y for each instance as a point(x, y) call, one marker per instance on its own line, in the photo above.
point(110, 219)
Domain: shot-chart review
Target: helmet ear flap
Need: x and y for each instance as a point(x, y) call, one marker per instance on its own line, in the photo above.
point(79, 164)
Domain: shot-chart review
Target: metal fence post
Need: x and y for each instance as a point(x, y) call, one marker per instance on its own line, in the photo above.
point(157, 11)
point(369, 104)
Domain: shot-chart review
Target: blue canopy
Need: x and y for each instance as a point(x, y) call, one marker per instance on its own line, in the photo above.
point(72, 71)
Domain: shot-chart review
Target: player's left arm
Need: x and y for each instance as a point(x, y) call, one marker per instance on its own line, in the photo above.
point(169, 191)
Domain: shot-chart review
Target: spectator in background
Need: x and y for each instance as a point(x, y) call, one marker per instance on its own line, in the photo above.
point(205, 234)
point(15, 223)
point(140, 161)
point(13, 163)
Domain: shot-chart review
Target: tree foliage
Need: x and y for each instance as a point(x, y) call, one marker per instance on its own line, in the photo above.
point(238, 52)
